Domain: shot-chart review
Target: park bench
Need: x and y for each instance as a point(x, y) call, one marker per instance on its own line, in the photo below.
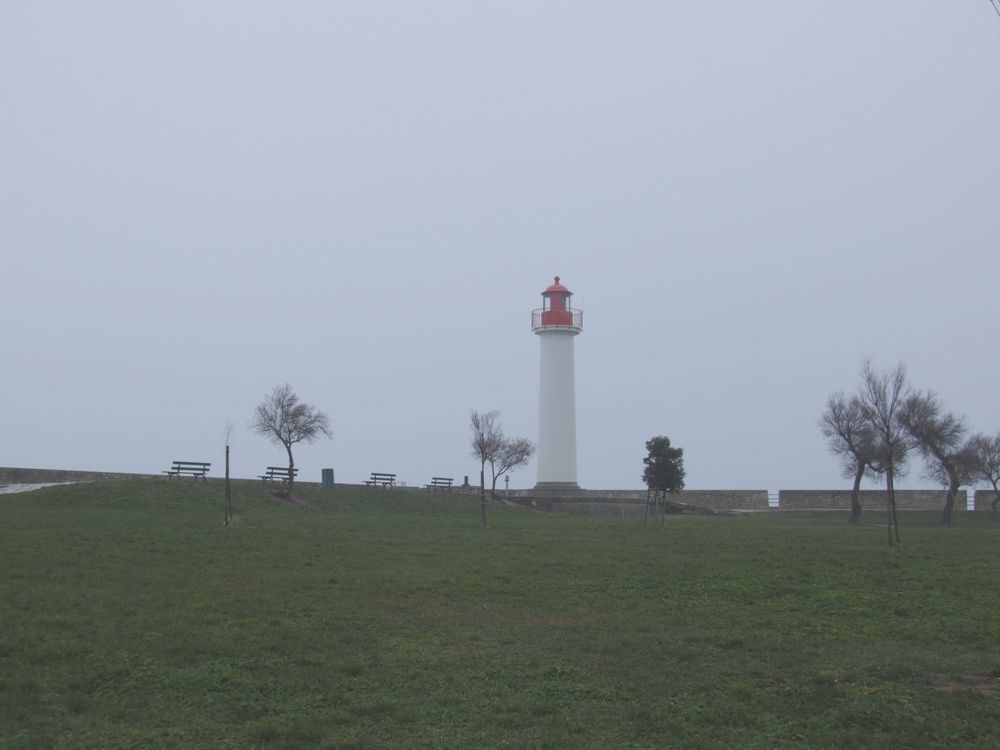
point(382, 479)
point(439, 483)
point(193, 469)
point(277, 472)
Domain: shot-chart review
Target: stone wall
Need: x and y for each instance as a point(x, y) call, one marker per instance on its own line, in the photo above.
point(631, 503)
point(870, 499)
point(724, 499)
point(983, 499)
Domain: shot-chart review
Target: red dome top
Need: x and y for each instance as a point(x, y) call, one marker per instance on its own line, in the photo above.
point(556, 314)
point(557, 287)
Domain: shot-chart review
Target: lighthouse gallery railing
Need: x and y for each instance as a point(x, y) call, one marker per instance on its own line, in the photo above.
point(569, 318)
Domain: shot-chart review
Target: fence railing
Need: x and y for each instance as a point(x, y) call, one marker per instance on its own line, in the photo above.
point(569, 318)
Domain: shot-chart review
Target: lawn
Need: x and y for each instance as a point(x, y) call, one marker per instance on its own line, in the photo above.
point(130, 617)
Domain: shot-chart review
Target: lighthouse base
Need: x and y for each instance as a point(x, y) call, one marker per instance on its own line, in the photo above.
point(556, 488)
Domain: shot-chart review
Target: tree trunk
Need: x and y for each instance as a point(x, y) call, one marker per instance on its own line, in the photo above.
point(645, 517)
point(949, 502)
point(856, 496)
point(229, 497)
point(291, 469)
point(889, 502)
point(890, 488)
point(482, 493)
point(996, 501)
point(895, 518)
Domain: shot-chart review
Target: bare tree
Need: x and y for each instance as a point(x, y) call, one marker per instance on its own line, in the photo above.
point(513, 452)
point(881, 397)
point(287, 421)
point(939, 435)
point(229, 495)
point(984, 454)
point(487, 437)
point(850, 436)
point(492, 447)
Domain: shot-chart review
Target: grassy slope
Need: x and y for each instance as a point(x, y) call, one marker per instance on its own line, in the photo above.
point(132, 618)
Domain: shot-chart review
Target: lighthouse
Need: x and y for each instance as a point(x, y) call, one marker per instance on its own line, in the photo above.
point(556, 324)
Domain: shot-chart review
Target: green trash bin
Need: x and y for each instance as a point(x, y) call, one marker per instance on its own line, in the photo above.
point(327, 479)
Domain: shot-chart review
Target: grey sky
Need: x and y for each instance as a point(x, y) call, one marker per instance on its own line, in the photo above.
point(201, 200)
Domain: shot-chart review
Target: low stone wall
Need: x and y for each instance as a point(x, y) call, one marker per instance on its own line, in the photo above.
point(724, 499)
point(631, 503)
point(870, 499)
point(983, 499)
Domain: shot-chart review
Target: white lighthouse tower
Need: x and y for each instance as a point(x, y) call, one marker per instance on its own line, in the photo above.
point(556, 324)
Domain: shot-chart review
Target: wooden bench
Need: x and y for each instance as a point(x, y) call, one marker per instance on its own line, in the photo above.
point(381, 479)
point(440, 483)
point(277, 472)
point(193, 469)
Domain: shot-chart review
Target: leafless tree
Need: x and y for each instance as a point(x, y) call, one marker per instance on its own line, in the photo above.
point(881, 397)
point(940, 436)
point(492, 447)
point(850, 436)
point(287, 421)
point(984, 453)
point(513, 453)
point(487, 437)
point(229, 495)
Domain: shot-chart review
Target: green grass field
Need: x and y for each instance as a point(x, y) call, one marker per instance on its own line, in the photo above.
point(130, 617)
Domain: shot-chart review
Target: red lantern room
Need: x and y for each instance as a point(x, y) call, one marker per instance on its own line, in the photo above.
point(556, 311)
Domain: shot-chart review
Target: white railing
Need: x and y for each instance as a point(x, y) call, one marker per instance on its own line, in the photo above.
point(572, 316)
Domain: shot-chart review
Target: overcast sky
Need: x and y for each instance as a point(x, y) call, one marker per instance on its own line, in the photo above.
point(200, 200)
